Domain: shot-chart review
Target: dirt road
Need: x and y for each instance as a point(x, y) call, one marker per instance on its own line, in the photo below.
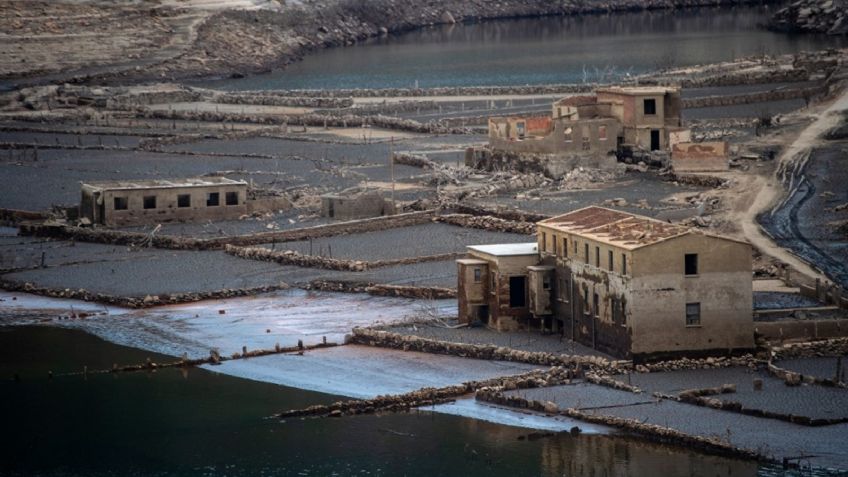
point(771, 189)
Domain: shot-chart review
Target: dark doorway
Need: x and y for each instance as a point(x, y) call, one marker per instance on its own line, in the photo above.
point(655, 139)
point(517, 292)
point(483, 313)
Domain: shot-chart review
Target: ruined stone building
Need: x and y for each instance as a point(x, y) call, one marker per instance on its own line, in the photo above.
point(588, 130)
point(355, 206)
point(121, 203)
point(628, 285)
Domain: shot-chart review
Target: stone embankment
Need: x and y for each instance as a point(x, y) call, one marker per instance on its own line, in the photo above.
point(398, 291)
point(497, 395)
point(749, 98)
point(835, 347)
point(812, 16)
point(430, 396)
point(273, 99)
point(135, 301)
point(385, 339)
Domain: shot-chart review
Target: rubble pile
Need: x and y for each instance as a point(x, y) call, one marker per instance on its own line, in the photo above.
point(487, 223)
point(585, 178)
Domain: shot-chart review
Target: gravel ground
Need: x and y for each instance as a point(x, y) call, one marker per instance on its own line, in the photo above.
point(428, 274)
point(633, 187)
point(26, 252)
point(779, 300)
point(375, 153)
point(522, 340)
point(825, 445)
point(413, 241)
point(284, 221)
point(156, 272)
point(584, 396)
point(824, 368)
point(57, 173)
point(811, 401)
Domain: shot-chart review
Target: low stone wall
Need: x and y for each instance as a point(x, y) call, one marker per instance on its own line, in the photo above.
point(511, 215)
point(701, 180)
point(385, 339)
point(117, 237)
point(797, 329)
point(311, 119)
point(134, 301)
point(427, 396)
point(290, 257)
point(414, 160)
point(749, 98)
point(812, 349)
point(427, 293)
point(270, 99)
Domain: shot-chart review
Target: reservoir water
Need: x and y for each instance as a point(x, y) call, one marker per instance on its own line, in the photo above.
point(539, 51)
point(200, 423)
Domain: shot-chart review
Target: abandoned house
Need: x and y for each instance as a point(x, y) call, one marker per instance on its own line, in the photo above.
point(588, 130)
point(122, 203)
point(355, 206)
point(628, 285)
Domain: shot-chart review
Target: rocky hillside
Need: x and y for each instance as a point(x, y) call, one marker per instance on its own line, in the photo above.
point(233, 41)
point(813, 16)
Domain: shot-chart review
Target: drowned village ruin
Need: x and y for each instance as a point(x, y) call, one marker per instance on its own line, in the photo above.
point(658, 255)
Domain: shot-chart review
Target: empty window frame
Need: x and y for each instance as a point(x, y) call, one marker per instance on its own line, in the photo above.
point(598, 257)
point(602, 132)
point(546, 283)
point(586, 301)
point(121, 203)
point(586, 252)
point(555, 244)
point(611, 261)
point(231, 198)
point(596, 305)
point(650, 106)
point(213, 199)
point(564, 246)
point(693, 314)
point(544, 244)
point(624, 264)
point(149, 202)
point(478, 275)
point(690, 264)
point(575, 249)
point(184, 200)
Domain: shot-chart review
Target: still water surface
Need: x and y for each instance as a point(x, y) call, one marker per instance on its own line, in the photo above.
point(540, 51)
point(172, 423)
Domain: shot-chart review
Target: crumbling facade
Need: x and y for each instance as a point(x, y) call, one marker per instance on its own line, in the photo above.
point(589, 130)
point(628, 285)
point(700, 156)
point(123, 203)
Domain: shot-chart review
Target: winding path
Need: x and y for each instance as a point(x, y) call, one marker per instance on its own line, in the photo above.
point(771, 189)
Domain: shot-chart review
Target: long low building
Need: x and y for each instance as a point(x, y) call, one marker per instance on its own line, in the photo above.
point(119, 203)
point(628, 285)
